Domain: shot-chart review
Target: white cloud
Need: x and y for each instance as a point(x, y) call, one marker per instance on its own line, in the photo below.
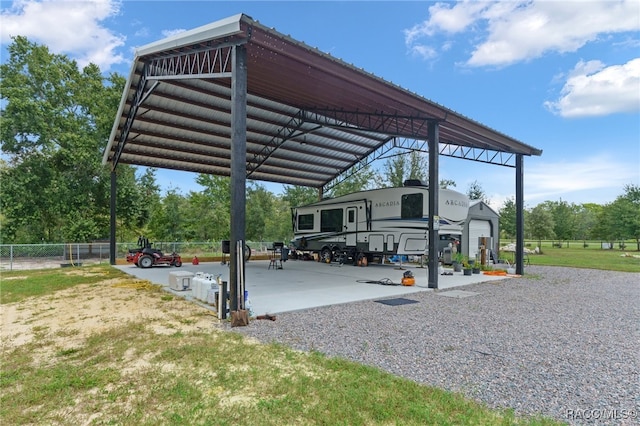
point(424, 52)
point(442, 18)
point(445, 18)
point(516, 31)
point(598, 178)
point(66, 27)
point(597, 174)
point(142, 32)
point(594, 90)
point(169, 33)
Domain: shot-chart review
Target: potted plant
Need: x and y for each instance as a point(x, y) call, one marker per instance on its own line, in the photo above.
point(466, 267)
point(457, 262)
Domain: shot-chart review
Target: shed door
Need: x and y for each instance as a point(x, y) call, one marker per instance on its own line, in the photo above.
point(477, 229)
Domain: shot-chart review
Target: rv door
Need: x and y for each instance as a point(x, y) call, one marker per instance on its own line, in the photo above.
point(351, 226)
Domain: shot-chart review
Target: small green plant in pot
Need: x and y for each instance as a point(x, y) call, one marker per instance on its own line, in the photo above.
point(457, 262)
point(466, 267)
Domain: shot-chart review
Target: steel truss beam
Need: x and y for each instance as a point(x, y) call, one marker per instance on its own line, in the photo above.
point(381, 152)
point(345, 120)
point(388, 124)
point(481, 155)
point(410, 130)
point(205, 62)
point(138, 98)
point(406, 133)
point(288, 131)
point(406, 144)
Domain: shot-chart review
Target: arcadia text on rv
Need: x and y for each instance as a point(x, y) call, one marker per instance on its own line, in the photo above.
point(377, 222)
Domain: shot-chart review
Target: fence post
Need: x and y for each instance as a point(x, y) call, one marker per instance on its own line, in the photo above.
point(11, 257)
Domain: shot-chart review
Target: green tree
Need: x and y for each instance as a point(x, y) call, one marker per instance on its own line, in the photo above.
point(281, 225)
point(131, 210)
point(564, 219)
point(260, 210)
point(55, 124)
point(418, 166)
point(539, 223)
point(587, 216)
point(508, 218)
point(394, 171)
point(364, 178)
point(620, 220)
point(217, 199)
point(149, 195)
point(168, 223)
point(447, 184)
point(400, 168)
point(475, 191)
point(296, 196)
point(631, 212)
point(200, 218)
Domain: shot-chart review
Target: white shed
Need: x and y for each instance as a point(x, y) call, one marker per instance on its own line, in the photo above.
point(482, 221)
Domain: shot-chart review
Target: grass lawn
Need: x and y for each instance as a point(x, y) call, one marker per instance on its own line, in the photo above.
point(612, 260)
point(153, 370)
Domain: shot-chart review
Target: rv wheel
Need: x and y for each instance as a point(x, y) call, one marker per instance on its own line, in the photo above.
point(326, 255)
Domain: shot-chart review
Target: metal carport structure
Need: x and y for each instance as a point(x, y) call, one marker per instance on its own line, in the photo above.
point(236, 98)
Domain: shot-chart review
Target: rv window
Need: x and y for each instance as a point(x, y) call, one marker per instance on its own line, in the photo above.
point(411, 207)
point(352, 216)
point(305, 222)
point(331, 220)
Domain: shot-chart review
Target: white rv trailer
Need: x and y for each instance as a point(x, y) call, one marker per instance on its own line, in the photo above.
point(377, 222)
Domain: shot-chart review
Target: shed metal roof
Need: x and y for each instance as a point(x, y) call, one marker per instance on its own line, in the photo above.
point(310, 116)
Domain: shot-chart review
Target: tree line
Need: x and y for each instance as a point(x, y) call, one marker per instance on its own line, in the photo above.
point(55, 126)
point(559, 220)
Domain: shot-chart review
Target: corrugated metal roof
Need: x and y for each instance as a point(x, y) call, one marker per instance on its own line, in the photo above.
point(310, 116)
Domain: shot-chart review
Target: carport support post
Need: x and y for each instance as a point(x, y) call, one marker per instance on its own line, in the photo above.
point(112, 218)
point(519, 215)
point(432, 265)
point(238, 168)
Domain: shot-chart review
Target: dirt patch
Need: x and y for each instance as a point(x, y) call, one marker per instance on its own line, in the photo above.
point(69, 316)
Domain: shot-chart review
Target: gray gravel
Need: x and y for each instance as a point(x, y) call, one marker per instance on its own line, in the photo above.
point(559, 342)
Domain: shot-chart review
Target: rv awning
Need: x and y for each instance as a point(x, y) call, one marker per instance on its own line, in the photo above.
point(310, 116)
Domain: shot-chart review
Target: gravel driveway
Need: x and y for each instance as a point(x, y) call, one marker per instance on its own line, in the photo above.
point(560, 342)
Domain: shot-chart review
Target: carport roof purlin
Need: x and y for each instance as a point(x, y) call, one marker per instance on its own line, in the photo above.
point(309, 116)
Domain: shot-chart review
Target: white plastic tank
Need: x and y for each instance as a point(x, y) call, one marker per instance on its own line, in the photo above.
point(211, 294)
point(196, 283)
point(205, 286)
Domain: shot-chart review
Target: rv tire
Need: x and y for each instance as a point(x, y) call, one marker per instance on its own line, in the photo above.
point(326, 255)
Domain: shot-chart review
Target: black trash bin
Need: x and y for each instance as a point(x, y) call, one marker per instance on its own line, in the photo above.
point(226, 249)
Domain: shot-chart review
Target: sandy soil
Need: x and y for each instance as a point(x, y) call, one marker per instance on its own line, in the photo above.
point(70, 316)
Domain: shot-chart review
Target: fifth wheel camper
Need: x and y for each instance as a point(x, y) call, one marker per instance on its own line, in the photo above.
point(377, 222)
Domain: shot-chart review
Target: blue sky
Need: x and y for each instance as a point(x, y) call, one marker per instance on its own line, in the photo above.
point(560, 76)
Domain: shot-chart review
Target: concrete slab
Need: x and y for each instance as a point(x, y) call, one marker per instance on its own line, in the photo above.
point(307, 284)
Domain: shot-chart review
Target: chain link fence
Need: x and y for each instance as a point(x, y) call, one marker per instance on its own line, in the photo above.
point(15, 257)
